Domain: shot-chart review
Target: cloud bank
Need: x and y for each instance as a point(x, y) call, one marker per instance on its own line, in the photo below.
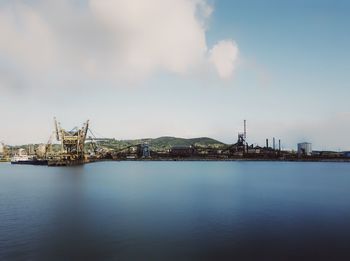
point(108, 39)
point(224, 56)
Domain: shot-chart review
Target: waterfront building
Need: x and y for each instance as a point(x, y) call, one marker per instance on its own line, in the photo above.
point(304, 149)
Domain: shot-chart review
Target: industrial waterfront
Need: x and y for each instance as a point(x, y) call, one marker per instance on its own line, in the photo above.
point(174, 130)
point(172, 199)
point(81, 145)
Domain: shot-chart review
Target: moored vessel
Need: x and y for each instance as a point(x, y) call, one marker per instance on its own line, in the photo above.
point(23, 158)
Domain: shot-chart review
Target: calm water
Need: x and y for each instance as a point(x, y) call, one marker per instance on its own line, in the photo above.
point(176, 211)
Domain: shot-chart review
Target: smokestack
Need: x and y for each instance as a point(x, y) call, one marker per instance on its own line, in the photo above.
point(245, 129)
point(267, 143)
point(279, 145)
point(274, 144)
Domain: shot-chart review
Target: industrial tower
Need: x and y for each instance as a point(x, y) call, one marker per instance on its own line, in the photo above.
point(72, 144)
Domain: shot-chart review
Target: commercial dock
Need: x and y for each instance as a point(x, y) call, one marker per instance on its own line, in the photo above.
point(75, 147)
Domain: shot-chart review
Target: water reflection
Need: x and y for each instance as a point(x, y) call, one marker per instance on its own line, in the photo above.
point(175, 210)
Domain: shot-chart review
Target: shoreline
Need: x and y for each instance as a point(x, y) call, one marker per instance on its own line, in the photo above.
point(231, 159)
point(313, 160)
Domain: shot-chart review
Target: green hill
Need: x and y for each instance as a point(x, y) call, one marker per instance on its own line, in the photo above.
point(168, 142)
point(163, 143)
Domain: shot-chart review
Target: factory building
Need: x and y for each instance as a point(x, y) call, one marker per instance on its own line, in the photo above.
point(182, 151)
point(304, 149)
point(146, 153)
point(346, 154)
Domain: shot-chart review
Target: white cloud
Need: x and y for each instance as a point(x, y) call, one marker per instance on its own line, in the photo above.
point(109, 39)
point(224, 56)
point(153, 34)
point(26, 40)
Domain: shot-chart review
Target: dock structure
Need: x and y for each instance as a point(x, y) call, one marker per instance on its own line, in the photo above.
point(72, 145)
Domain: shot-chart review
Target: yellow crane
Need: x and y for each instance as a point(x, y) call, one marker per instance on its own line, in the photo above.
point(72, 142)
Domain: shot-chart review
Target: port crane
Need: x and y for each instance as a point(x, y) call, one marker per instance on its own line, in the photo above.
point(48, 146)
point(72, 142)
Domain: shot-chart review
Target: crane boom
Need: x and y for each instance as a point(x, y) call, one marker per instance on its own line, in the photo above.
point(56, 129)
point(86, 130)
point(72, 145)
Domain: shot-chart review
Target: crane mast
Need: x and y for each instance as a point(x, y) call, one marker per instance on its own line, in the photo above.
point(56, 129)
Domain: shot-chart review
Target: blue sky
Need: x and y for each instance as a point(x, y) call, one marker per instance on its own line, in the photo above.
point(289, 78)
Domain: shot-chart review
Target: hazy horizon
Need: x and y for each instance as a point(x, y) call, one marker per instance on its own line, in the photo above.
point(183, 68)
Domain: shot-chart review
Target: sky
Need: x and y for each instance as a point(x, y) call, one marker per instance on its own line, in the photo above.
point(185, 68)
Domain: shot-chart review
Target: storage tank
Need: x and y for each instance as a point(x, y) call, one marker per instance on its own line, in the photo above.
point(304, 148)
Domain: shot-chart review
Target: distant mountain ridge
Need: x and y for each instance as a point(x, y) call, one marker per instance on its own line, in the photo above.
point(160, 143)
point(166, 142)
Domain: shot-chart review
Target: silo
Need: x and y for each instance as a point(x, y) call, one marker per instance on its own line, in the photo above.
point(304, 148)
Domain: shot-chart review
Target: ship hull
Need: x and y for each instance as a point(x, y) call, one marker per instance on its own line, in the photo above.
point(30, 162)
point(58, 163)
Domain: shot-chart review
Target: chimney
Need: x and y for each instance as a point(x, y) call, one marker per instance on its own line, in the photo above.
point(245, 129)
point(279, 145)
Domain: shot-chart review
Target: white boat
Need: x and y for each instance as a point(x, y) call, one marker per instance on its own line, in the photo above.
point(23, 158)
point(21, 155)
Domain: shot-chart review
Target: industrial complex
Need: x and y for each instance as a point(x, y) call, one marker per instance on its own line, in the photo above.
point(80, 145)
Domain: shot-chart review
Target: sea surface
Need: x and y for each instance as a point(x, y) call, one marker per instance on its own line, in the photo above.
point(176, 211)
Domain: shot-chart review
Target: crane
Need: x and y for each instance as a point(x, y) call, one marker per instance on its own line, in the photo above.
point(72, 142)
point(48, 146)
